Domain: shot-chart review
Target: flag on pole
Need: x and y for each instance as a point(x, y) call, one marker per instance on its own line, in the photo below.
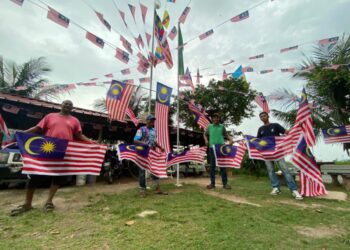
point(18, 2)
point(330, 40)
point(143, 12)
point(291, 70)
point(266, 71)
point(256, 57)
point(339, 134)
point(180, 53)
point(311, 183)
point(125, 71)
point(118, 99)
point(240, 17)
point(261, 101)
point(44, 155)
point(122, 55)
point(132, 10)
point(3, 126)
point(196, 155)
point(57, 17)
point(206, 34)
point(162, 114)
point(148, 38)
point(173, 33)
point(272, 148)
point(231, 61)
point(289, 49)
point(144, 157)
point(166, 19)
point(104, 22)
point(304, 119)
point(126, 44)
point(184, 15)
point(95, 40)
point(228, 155)
point(238, 73)
point(130, 113)
point(160, 34)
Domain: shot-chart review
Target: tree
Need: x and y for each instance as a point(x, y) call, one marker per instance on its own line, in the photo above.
point(328, 88)
point(26, 79)
point(231, 98)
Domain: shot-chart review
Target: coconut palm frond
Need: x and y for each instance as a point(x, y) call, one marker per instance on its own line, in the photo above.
point(284, 97)
point(100, 104)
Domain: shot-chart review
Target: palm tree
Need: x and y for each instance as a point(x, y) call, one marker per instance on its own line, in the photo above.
point(26, 79)
point(327, 88)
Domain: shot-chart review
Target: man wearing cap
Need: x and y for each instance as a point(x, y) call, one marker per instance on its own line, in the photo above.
point(147, 134)
point(217, 135)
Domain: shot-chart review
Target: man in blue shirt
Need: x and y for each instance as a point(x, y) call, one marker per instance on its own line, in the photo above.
point(147, 135)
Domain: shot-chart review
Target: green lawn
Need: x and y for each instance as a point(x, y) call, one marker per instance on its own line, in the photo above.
point(187, 218)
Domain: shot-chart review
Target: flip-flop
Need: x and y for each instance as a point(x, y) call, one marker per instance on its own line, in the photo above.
point(20, 210)
point(48, 207)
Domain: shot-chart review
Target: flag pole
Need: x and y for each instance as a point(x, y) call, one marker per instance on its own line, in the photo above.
point(178, 184)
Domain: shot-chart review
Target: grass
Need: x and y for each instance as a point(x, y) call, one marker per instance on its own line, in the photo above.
point(187, 219)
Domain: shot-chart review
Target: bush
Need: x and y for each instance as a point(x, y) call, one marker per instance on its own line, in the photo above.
point(252, 167)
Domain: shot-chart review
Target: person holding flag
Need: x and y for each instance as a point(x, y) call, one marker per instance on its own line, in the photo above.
point(275, 129)
point(60, 125)
point(147, 134)
point(216, 134)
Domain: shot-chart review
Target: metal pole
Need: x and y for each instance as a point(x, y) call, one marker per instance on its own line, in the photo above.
point(178, 184)
point(151, 76)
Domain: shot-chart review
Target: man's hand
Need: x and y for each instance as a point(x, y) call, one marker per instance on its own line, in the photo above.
point(206, 142)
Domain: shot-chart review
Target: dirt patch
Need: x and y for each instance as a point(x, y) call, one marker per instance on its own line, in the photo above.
point(297, 204)
point(146, 213)
point(231, 198)
point(334, 195)
point(319, 232)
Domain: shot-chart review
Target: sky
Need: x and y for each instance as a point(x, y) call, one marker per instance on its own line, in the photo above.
point(26, 33)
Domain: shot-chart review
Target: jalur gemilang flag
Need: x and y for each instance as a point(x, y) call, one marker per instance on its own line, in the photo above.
point(162, 115)
point(229, 155)
point(311, 183)
point(44, 155)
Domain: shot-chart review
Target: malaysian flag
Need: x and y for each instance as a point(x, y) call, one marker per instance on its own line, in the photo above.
point(143, 12)
point(311, 183)
point(256, 57)
point(144, 79)
point(110, 75)
point(289, 48)
point(231, 61)
point(339, 134)
point(240, 17)
point(206, 34)
point(3, 126)
point(125, 71)
point(228, 155)
point(198, 77)
point(162, 114)
point(130, 113)
point(19, 2)
point(86, 84)
point(118, 98)
point(272, 148)
point(105, 23)
point(122, 55)
point(199, 116)
point(10, 108)
point(57, 17)
point(196, 155)
point(126, 44)
point(184, 14)
point(330, 40)
point(144, 157)
point(142, 69)
point(132, 10)
point(261, 101)
point(291, 70)
point(95, 40)
point(304, 120)
point(247, 69)
point(173, 33)
point(266, 71)
point(148, 38)
point(139, 41)
point(122, 15)
point(224, 75)
point(44, 155)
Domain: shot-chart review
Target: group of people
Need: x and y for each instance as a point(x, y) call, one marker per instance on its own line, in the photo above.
point(63, 125)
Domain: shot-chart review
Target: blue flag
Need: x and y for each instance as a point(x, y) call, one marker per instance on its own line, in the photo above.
point(238, 73)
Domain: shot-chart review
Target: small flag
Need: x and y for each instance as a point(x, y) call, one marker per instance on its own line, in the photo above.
point(125, 71)
point(339, 134)
point(104, 22)
point(10, 109)
point(198, 77)
point(228, 155)
point(238, 72)
point(333, 67)
point(122, 55)
point(139, 41)
point(247, 69)
point(166, 19)
point(173, 33)
point(224, 75)
point(110, 75)
point(184, 14)
point(18, 2)
point(266, 71)
point(143, 12)
point(240, 17)
point(292, 70)
point(57, 17)
point(206, 34)
point(142, 69)
point(3, 127)
point(132, 10)
point(231, 61)
point(256, 57)
point(122, 15)
point(144, 79)
point(95, 40)
point(148, 38)
point(289, 49)
point(131, 115)
point(328, 40)
point(261, 101)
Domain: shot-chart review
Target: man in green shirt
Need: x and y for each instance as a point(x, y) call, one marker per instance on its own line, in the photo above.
point(216, 134)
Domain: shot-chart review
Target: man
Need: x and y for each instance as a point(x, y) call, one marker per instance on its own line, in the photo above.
point(217, 134)
point(60, 125)
point(275, 129)
point(147, 135)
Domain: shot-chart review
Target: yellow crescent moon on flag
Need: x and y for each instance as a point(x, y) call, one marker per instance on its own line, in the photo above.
point(222, 150)
point(330, 131)
point(253, 139)
point(119, 88)
point(163, 91)
point(28, 142)
point(303, 97)
point(130, 147)
point(308, 152)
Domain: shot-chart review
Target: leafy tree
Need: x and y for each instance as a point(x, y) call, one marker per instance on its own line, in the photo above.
point(29, 76)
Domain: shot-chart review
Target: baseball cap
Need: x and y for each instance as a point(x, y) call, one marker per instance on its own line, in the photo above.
point(150, 117)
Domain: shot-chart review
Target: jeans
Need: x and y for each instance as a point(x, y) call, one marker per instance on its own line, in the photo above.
point(212, 169)
point(142, 179)
point(287, 176)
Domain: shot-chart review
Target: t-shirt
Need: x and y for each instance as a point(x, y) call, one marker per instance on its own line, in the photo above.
point(60, 126)
point(146, 135)
point(216, 133)
point(272, 129)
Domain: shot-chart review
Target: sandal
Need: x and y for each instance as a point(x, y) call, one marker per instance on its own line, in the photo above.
point(160, 192)
point(48, 207)
point(21, 209)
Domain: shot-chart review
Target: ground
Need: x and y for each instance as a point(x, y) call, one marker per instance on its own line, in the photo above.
point(115, 217)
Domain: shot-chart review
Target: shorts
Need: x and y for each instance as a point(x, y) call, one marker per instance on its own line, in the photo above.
point(37, 181)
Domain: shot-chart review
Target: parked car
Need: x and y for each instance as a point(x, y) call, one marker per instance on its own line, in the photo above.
point(188, 169)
